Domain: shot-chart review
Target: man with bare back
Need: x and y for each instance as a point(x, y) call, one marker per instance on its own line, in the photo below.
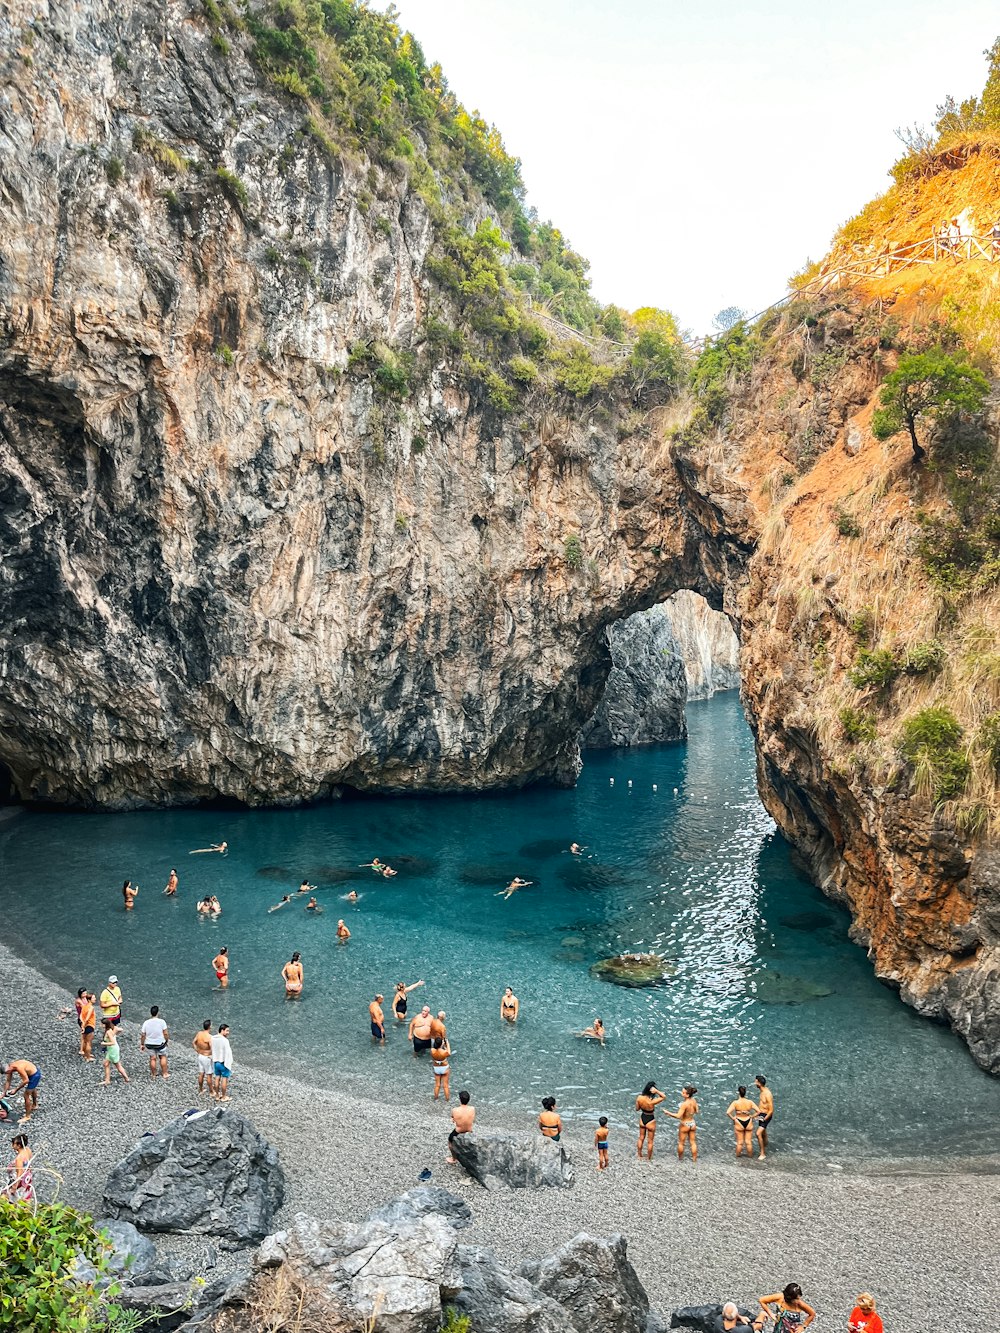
point(377, 1016)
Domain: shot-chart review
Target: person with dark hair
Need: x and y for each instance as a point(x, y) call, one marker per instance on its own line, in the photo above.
point(601, 1143)
point(510, 1005)
point(21, 1187)
point(463, 1117)
point(129, 894)
point(293, 976)
point(202, 1044)
point(686, 1127)
point(171, 889)
point(30, 1076)
point(88, 1024)
point(221, 964)
point(790, 1313)
point(741, 1112)
point(765, 1100)
point(646, 1103)
point(222, 1063)
point(550, 1122)
point(153, 1037)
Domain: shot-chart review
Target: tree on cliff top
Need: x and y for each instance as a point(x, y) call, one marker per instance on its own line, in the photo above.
point(931, 385)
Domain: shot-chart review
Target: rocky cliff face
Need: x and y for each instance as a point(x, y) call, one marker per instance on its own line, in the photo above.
point(707, 644)
point(644, 698)
point(230, 567)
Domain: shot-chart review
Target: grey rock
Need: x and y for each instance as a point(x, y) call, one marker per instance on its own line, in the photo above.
point(420, 1201)
point(702, 1317)
point(707, 644)
point(594, 1282)
point(501, 1161)
point(210, 1173)
point(502, 1302)
point(132, 1258)
point(643, 701)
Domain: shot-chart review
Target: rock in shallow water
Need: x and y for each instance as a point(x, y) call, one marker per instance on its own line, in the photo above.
point(776, 988)
point(632, 969)
point(209, 1173)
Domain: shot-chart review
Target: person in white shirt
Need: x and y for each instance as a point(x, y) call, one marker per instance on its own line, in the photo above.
point(153, 1037)
point(222, 1063)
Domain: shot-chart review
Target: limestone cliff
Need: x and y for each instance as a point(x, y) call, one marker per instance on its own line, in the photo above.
point(707, 644)
point(646, 691)
point(237, 564)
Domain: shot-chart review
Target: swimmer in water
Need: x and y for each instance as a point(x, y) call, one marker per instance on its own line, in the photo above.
point(204, 907)
point(215, 847)
point(388, 872)
point(351, 897)
point(595, 1032)
point(129, 894)
point(375, 864)
point(313, 906)
point(277, 906)
point(306, 887)
point(221, 964)
point(293, 976)
point(216, 906)
point(399, 1000)
point(516, 883)
point(576, 849)
point(343, 934)
point(510, 1005)
point(171, 888)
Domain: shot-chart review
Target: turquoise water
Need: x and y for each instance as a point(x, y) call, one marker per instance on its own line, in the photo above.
point(761, 976)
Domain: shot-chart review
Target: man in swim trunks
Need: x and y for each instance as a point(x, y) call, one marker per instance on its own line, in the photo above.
point(30, 1076)
point(313, 906)
point(463, 1117)
point(202, 1043)
point(343, 934)
point(399, 1000)
point(171, 888)
point(420, 1030)
point(221, 964)
point(510, 1006)
point(111, 1001)
point(741, 1112)
point(438, 1030)
point(293, 976)
point(377, 1016)
point(222, 1063)
point(765, 1100)
point(686, 1128)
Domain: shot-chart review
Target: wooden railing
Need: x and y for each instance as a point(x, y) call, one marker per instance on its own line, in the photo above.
point(933, 250)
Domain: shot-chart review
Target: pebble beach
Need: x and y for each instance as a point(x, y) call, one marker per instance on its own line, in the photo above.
point(922, 1238)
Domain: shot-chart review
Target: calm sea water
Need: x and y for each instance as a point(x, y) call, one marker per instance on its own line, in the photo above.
point(683, 862)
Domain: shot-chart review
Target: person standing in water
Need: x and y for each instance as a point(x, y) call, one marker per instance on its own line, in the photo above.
point(202, 1044)
point(293, 976)
point(765, 1100)
point(686, 1128)
point(741, 1112)
point(399, 1000)
point(129, 894)
point(601, 1143)
point(377, 1016)
point(420, 1030)
point(343, 934)
point(440, 1053)
point(171, 888)
point(221, 964)
point(646, 1103)
point(596, 1032)
point(510, 1006)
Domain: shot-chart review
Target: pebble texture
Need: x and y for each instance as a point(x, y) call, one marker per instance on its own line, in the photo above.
point(836, 1231)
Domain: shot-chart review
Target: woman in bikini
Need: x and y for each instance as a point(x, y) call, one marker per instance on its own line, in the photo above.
point(790, 1313)
point(129, 894)
point(440, 1051)
point(549, 1122)
point(686, 1128)
point(509, 1005)
point(741, 1112)
point(292, 975)
point(399, 1000)
point(646, 1103)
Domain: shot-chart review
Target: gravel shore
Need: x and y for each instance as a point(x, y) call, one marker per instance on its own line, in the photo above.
point(923, 1240)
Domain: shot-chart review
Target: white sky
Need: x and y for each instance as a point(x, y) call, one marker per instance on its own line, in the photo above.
point(698, 154)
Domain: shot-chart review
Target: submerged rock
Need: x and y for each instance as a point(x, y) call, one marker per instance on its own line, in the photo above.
point(777, 988)
point(210, 1172)
point(632, 969)
point(501, 1161)
point(807, 921)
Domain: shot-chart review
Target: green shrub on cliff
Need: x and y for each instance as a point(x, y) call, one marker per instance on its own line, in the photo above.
point(931, 742)
point(37, 1252)
point(857, 725)
point(931, 385)
point(874, 668)
point(989, 740)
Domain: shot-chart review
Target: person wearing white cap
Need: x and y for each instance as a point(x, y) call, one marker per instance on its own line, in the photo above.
point(111, 1001)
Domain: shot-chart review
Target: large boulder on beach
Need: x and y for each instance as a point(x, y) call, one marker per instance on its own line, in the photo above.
point(501, 1161)
point(591, 1278)
point(421, 1201)
point(209, 1172)
point(503, 1302)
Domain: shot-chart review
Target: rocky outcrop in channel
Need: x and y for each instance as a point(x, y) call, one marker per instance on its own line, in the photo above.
point(707, 644)
point(229, 567)
point(646, 691)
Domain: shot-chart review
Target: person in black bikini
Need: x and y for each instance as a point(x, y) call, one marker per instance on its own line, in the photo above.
point(741, 1112)
point(399, 1000)
point(646, 1103)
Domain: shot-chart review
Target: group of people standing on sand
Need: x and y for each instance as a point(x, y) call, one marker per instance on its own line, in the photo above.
point(742, 1111)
